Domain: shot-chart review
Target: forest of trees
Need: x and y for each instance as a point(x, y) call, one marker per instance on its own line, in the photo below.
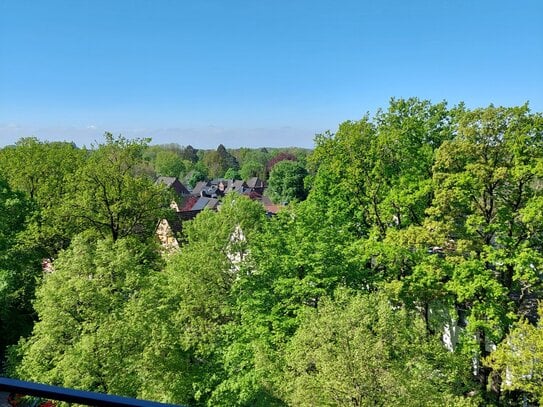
point(406, 269)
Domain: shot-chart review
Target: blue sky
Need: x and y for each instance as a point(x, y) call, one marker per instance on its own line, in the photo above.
point(253, 73)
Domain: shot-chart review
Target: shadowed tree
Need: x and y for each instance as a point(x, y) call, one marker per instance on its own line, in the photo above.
point(20, 266)
point(286, 183)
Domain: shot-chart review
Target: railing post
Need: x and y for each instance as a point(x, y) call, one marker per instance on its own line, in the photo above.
point(74, 396)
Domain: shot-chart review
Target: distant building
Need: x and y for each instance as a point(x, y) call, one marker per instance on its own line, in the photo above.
point(205, 195)
point(174, 184)
point(181, 192)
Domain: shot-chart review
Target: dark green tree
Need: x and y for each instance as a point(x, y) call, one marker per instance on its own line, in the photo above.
point(230, 160)
point(189, 153)
point(20, 267)
point(286, 183)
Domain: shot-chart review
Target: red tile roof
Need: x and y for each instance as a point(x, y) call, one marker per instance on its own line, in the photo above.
point(189, 203)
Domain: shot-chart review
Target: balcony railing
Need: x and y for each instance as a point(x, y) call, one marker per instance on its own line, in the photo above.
point(73, 396)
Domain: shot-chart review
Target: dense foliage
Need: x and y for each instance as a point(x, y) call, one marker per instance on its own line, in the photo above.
point(286, 183)
point(19, 266)
point(405, 271)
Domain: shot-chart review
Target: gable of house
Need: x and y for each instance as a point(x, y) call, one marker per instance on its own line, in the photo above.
point(174, 184)
point(170, 231)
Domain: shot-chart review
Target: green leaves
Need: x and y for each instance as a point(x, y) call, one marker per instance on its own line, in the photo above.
point(169, 163)
point(110, 195)
point(286, 183)
point(421, 222)
point(518, 359)
point(357, 349)
point(80, 339)
point(219, 161)
point(19, 266)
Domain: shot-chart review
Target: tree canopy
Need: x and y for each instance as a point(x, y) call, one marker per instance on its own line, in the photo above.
point(111, 195)
point(406, 269)
point(286, 182)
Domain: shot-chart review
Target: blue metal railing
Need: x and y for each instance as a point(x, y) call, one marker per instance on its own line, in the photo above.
point(88, 398)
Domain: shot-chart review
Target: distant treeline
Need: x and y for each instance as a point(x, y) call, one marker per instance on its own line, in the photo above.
point(192, 165)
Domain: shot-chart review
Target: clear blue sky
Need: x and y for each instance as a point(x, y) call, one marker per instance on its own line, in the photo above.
point(253, 73)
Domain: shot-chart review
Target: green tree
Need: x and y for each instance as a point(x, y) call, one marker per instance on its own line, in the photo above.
point(230, 160)
point(189, 153)
point(361, 350)
point(252, 169)
point(487, 194)
point(381, 168)
point(297, 258)
point(20, 267)
point(304, 254)
point(201, 296)
point(196, 176)
point(39, 169)
point(215, 164)
point(286, 182)
point(110, 195)
point(43, 170)
point(417, 218)
point(254, 164)
point(232, 174)
point(81, 339)
point(219, 161)
point(518, 359)
point(169, 163)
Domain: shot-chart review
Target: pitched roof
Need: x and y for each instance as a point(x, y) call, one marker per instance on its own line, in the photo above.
point(205, 202)
point(255, 196)
point(270, 207)
point(273, 209)
point(266, 200)
point(175, 226)
point(200, 204)
point(255, 182)
point(166, 180)
point(173, 183)
point(213, 203)
point(238, 186)
point(199, 187)
point(188, 204)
